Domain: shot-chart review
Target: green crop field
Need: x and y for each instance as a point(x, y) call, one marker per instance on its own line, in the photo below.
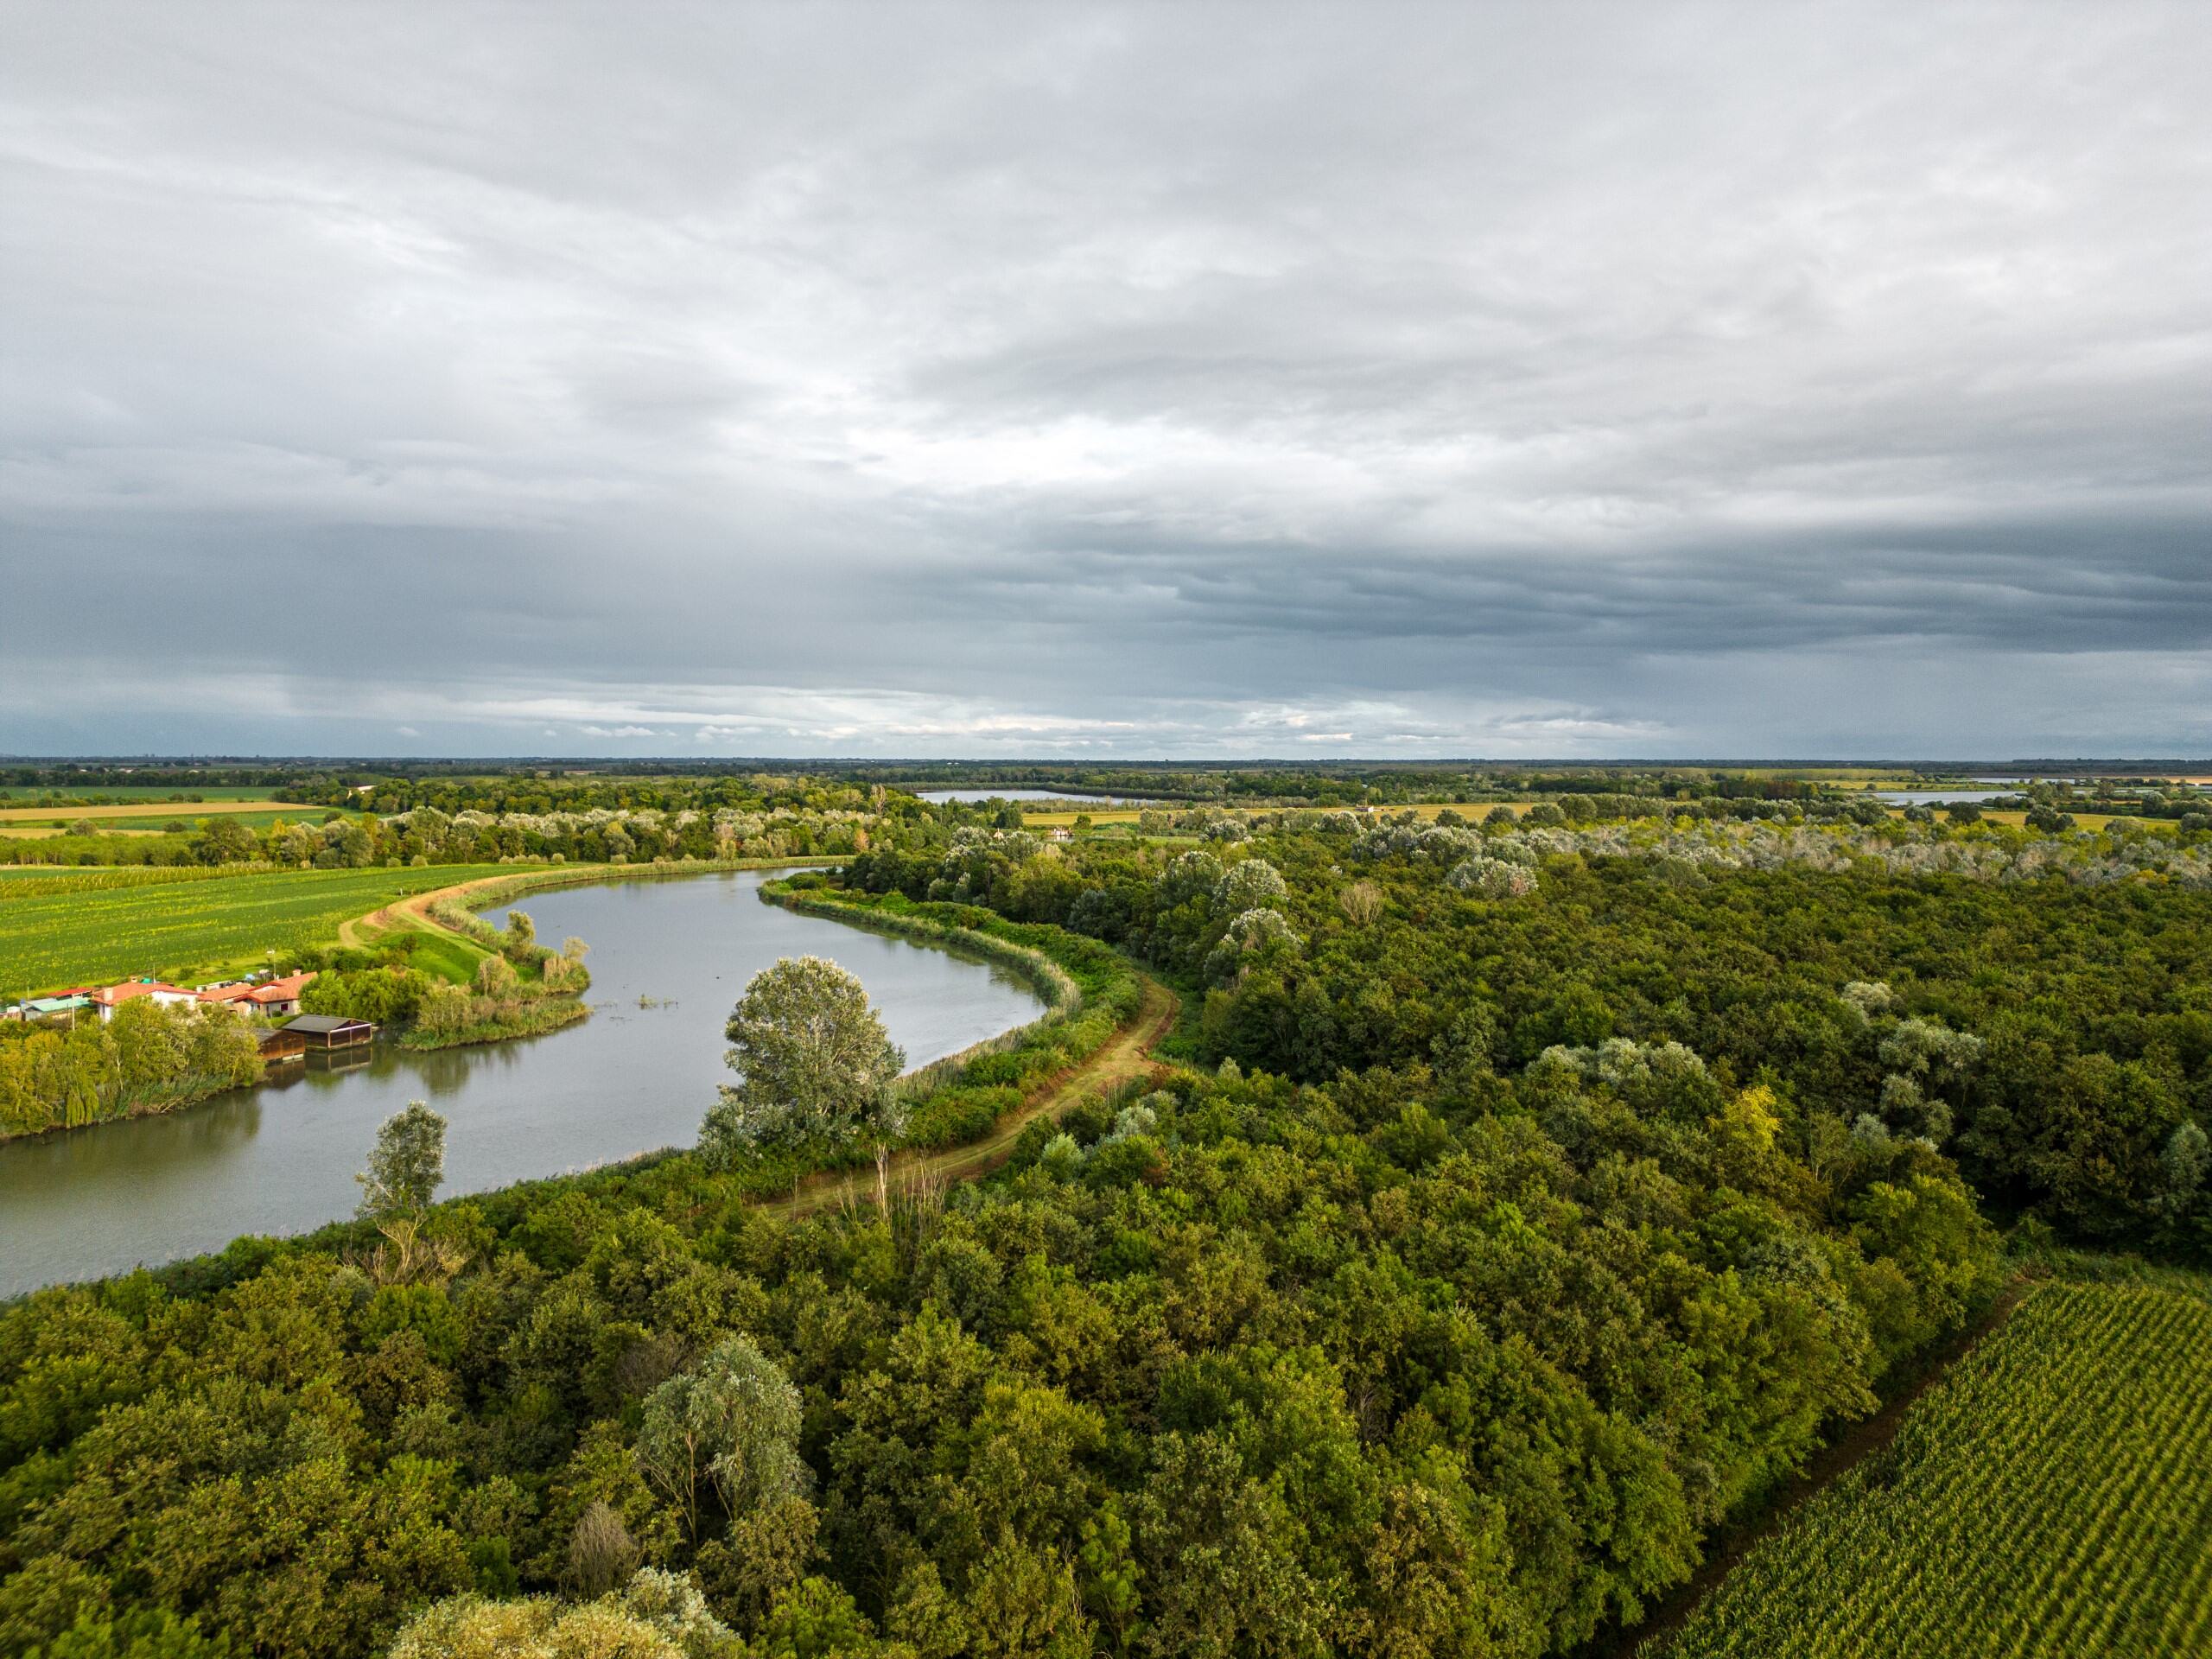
point(73, 931)
point(35, 881)
point(208, 794)
point(2052, 1496)
point(112, 821)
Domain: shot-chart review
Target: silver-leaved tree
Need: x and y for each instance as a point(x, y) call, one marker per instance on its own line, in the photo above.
point(815, 1064)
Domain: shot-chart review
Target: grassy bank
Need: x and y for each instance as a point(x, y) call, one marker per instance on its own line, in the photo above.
point(529, 1017)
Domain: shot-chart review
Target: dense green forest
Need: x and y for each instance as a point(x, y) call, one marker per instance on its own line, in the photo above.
point(2054, 1033)
point(1530, 1201)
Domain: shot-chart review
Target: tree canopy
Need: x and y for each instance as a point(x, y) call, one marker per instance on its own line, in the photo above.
point(407, 1164)
point(812, 1052)
point(1493, 1243)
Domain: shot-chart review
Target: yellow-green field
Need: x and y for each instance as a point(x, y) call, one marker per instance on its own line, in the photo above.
point(191, 929)
point(2017, 817)
point(160, 812)
point(253, 816)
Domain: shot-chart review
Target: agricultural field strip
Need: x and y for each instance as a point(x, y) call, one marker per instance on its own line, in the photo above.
point(74, 935)
point(2061, 1480)
point(34, 880)
point(254, 818)
point(1058, 817)
point(185, 810)
point(127, 794)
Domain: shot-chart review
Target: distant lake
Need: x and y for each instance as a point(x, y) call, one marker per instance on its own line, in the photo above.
point(944, 794)
point(281, 1158)
point(1931, 797)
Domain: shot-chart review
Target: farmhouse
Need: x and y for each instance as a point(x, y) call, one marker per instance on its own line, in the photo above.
point(109, 998)
point(50, 1008)
point(274, 998)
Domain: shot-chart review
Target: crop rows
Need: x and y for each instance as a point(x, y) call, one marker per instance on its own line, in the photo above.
point(37, 880)
point(75, 934)
point(2053, 1496)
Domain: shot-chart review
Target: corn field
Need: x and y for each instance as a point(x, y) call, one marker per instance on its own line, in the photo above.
point(2052, 1497)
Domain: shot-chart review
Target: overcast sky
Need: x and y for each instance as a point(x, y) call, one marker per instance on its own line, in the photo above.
point(1026, 380)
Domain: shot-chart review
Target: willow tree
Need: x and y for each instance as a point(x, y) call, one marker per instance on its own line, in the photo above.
point(814, 1061)
point(406, 1166)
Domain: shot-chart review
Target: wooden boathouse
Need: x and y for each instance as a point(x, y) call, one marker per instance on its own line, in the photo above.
point(318, 1034)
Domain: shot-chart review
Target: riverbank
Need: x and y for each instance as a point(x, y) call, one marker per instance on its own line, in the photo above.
point(1090, 992)
point(1118, 1066)
point(530, 1008)
point(532, 1017)
point(1057, 1068)
point(669, 960)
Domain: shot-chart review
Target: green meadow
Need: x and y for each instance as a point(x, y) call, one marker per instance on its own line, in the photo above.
point(74, 931)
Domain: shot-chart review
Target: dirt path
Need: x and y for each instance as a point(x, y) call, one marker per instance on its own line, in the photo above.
point(414, 911)
point(1861, 1441)
point(1125, 1058)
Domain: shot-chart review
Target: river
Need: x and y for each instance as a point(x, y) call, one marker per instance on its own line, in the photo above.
point(281, 1158)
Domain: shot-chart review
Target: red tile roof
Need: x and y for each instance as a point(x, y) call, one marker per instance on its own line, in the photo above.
point(109, 996)
point(280, 990)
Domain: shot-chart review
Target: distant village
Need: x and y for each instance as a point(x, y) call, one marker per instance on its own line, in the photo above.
point(262, 996)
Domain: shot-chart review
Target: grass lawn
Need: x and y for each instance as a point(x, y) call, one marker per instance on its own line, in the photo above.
point(193, 930)
point(436, 952)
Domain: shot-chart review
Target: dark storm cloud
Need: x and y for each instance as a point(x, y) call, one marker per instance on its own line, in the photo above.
point(1204, 379)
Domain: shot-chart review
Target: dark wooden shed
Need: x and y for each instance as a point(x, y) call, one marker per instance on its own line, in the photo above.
point(283, 1045)
point(325, 1031)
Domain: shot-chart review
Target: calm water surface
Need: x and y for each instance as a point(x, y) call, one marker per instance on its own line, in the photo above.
point(943, 795)
point(281, 1158)
point(1931, 797)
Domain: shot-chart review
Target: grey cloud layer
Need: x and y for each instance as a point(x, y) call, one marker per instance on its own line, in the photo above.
point(1683, 379)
